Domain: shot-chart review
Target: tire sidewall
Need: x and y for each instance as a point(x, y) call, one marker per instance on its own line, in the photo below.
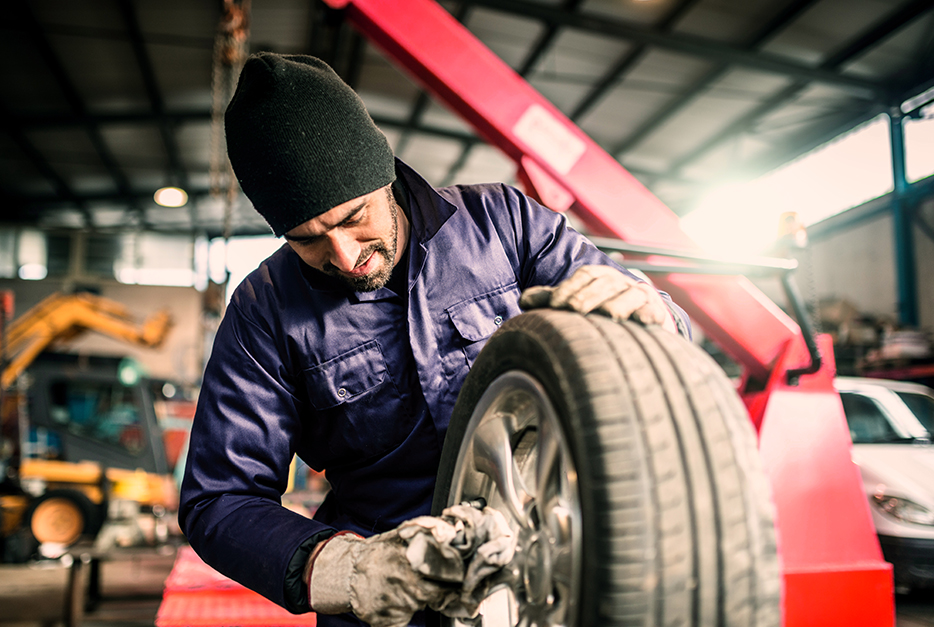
point(520, 349)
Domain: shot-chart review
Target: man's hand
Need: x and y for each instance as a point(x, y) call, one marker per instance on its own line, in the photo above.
point(605, 290)
point(439, 562)
point(370, 577)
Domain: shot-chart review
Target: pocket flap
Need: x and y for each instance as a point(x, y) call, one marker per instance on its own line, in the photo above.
point(476, 319)
point(346, 376)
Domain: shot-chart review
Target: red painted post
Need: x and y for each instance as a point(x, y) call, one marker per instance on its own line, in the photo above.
point(833, 569)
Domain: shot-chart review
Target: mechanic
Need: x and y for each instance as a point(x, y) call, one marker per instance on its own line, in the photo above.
point(348, 346)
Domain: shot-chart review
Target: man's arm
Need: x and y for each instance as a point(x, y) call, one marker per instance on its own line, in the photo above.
point(237, 469)
point(560, 268)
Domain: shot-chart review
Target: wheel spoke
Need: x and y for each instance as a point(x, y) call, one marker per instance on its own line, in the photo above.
point(492, 451)
point(548, 448)
point(516, 456)
point(561, 522)
point(561, 561)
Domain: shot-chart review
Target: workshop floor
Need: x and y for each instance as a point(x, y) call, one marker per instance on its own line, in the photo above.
point(34, 595)
point(132, 592)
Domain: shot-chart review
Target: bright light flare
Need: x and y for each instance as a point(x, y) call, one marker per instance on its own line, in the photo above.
point(171, 197)
point(744, 218)
point(735, 220)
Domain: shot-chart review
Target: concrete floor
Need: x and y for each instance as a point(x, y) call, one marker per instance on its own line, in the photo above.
point(915, 610)
point(131, 590)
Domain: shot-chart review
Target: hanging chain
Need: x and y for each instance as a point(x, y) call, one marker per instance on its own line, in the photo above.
point(230, 51)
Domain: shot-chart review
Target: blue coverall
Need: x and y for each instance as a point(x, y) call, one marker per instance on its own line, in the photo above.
point(358, 384)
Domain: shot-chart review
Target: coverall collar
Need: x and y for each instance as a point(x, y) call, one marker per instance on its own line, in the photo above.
point(429, 209)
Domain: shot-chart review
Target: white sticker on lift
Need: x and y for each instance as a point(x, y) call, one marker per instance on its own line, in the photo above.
point(549, 138)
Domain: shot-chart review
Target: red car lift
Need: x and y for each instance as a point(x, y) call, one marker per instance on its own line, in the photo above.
point(833, 569)
point(196, 595)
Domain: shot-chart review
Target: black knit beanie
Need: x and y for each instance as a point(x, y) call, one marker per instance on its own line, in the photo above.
point(301, 141)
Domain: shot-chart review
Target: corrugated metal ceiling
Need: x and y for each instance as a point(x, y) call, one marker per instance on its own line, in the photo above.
point(104, 101)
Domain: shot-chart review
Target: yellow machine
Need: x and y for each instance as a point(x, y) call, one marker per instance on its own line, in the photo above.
point(107, 443)
point(62, 317)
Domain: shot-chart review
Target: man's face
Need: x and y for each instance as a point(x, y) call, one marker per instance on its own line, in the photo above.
point(359, 241)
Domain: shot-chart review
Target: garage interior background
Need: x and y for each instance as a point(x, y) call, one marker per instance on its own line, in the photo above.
point(106, 101)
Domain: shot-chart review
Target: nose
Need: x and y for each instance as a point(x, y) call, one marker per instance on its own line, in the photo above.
point(345, 250)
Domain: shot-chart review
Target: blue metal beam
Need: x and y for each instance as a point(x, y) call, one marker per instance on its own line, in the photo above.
point(905, 274)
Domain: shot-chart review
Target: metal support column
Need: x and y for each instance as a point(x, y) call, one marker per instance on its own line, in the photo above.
point(905, 274)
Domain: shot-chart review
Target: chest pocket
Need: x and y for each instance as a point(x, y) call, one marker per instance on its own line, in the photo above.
point(346, 377)
point(475, 320)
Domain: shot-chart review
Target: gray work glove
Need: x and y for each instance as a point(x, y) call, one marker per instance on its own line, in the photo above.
point(605, 290)
point(439, 562)
point(465, 545)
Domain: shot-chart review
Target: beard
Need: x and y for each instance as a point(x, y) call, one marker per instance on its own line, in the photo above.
point(384, 248)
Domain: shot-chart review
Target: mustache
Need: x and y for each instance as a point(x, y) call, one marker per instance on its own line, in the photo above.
point(377, 247)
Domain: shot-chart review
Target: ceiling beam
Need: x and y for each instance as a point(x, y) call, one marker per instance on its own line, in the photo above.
point(546, 40)
point(113, 34)
point(50, 201)
point(415, 115)
point(923, 71)
point(47, 121)
point(850, 50)
point(691, 45)
point(919, 95)
point(788, 151)
point(324, 22)
point(785, 17)
point(14, 124)
point(355, 60)
point(54, 120)
point(177, 174)
point(880, 30)
point(71, 94)
point(628, 61)
point(423, 99)
point(63, 191)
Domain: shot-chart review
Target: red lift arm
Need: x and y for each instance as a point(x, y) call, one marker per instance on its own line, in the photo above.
point(833, 569)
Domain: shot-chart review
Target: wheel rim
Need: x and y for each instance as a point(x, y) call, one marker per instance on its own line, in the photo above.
point(515, 456)
point(57, 520)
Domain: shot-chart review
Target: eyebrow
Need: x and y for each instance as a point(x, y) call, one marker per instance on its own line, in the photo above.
point(303, 239)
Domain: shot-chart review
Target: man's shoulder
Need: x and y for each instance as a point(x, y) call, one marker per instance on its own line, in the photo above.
point(477, 192)
point(261, 287)
point(484, 201)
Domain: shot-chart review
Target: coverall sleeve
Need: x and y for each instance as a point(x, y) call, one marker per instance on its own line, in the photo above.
point(237, 469)
point(548, 250)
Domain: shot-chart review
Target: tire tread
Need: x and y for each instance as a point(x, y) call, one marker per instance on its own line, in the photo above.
point(678, 520)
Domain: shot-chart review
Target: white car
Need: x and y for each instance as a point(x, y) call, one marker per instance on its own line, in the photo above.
point(891, 424)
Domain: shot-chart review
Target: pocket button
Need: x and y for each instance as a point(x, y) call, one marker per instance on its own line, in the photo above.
point(498, 320)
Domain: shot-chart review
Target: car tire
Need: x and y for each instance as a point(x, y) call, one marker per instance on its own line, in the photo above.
point(627, 465)
point(62, 516)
